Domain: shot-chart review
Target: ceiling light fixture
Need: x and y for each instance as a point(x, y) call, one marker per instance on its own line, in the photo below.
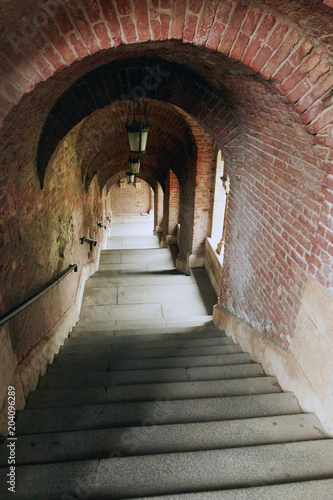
point(137, 130)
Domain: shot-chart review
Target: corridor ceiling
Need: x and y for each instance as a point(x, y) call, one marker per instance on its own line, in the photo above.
point(103, 145)
point(61, 75)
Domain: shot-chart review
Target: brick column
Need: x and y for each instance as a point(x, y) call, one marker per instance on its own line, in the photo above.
point(204, 195)
point(171, 209)
point(166, 212)
point(158, 208)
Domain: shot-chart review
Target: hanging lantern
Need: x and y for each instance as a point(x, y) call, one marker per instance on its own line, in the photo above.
point(137, 131)
point(134, 165)
point(130, 177)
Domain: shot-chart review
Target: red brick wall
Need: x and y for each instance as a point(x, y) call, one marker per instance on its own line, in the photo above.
point(166, 209)
point(158, 205)
point(204, 191)
point(276, 219)
point(173, 205)
point(131, 200)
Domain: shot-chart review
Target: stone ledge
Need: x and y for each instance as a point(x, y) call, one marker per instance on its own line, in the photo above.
point(275, 361)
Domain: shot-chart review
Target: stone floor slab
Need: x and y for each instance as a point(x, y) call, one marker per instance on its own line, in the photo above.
point(100, 296)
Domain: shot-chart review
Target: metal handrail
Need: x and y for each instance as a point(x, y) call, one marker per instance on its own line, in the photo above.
point(88, 240)
point(16, 310)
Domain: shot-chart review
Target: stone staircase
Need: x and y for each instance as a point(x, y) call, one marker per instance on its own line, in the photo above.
point(147, 398)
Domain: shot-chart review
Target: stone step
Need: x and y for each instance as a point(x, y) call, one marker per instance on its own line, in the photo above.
point(174, 473)
point(137, 253)
point(137, 267)
point(153, 311)
point(72, 378)
point(150, 363)
point(110, 344)
point(154, 439)
point(78, 354)
point(148, 294)
point(86, 417)
point(130, 242)
point(136, 228)
point(111, 278)
point(151, 392)
point(151, 333)
point(138, 324)
point(308, 490)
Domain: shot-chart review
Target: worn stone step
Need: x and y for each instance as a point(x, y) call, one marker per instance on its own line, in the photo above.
point(31, 421)
point(98, 379)
point(139, 323)
point(77, 354)
point(151, 392)
point(148, 294)
point(153, 439)
point(152, 311)
point(113, 278)
point(152, 333)
point(150, 363)
point(137, 267)
point(135, 255)
point(109, 344)
point(308, 490)
point(191, 390)
point(131, 477)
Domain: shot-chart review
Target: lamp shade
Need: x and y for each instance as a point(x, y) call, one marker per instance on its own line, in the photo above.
point(130, 177)
point(134, 165)
point(137, 136)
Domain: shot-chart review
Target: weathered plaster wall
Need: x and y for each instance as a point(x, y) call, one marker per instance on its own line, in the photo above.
point(312, 343)
point(41, 231)
point(306, 369)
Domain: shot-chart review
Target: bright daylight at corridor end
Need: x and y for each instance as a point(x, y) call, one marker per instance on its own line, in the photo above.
point(166, 249)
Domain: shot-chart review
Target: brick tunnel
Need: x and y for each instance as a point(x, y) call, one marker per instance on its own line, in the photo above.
point(237, 172)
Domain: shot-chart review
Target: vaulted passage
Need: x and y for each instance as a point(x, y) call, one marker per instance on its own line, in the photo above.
point(237, 176)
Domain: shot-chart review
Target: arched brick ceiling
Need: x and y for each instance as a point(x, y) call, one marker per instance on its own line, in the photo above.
point(156, 78)
point(102, 143)
point(314, 16)
point(217, 34)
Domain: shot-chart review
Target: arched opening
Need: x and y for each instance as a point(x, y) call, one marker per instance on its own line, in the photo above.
point(132, 207)
point(252, 79)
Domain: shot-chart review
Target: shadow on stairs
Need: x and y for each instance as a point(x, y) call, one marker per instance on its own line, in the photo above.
point(149, 399)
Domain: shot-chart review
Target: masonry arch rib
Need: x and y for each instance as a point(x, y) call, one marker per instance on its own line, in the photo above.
point(259, 36)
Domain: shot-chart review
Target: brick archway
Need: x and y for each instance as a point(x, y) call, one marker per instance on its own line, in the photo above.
point(57, 35)
point(265, 98)
point(102, 144)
